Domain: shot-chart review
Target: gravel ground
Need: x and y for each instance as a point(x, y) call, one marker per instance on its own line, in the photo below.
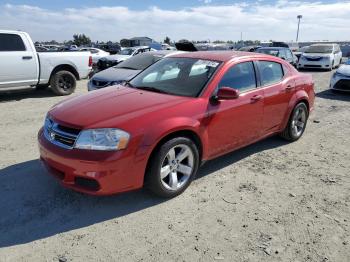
point(271, 201)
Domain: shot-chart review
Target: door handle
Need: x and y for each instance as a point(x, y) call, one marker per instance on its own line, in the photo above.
point(27, 57)
point(256, 98)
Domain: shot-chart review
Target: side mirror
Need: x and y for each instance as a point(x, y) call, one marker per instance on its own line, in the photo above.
point(227, 93)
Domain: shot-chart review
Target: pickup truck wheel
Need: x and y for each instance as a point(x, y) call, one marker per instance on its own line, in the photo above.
point(63, 83)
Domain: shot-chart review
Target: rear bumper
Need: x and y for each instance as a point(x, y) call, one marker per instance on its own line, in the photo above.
point(92, 172)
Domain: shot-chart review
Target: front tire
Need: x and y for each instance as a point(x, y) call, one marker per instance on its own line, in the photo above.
point(297, 123)
point(172, 167)
point(63, 83)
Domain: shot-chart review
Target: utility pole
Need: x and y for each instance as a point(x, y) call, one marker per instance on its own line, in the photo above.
point(299, 17)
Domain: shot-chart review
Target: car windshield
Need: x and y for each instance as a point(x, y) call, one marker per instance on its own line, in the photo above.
point(324, 49)
point(177, 76)
point(268, 51)
point(139, 62)
point(127, 51)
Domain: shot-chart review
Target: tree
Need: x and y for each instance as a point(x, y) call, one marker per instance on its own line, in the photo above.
point(81, 39)
point(167, 40)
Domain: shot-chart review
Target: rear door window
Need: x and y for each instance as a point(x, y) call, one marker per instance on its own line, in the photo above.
point(270, 72)
point(240, 77)
point(11, 42)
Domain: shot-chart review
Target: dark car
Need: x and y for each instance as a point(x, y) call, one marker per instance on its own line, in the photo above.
point(112, 60)
point(126, 70)
point(250, 48)
point(281, 52)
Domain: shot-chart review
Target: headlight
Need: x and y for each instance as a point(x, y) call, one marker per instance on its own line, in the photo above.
point(102, 139)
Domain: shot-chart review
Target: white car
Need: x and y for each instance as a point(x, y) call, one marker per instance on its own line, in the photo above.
point(340, 80)
point(22, 66)
point(95, 53)
point(322, 56)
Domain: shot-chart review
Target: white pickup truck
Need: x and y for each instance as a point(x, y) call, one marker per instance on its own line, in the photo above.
point(21, 66)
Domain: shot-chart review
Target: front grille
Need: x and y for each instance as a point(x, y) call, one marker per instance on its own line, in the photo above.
point(313, 66)
point(314, 58)
point(60, 135)
point(343, 85)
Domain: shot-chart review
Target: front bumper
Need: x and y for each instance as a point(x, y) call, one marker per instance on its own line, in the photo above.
point(320, 64)
point(93, 172)
point(340, 83)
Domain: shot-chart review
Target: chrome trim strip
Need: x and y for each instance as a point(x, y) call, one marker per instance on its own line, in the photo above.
point(53, 129)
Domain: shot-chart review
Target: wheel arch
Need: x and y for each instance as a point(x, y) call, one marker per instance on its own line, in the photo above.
point(188, 133)
point(299, 97)
point(65, 67)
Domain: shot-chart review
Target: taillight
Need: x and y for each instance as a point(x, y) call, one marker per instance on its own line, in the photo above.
point(90, 61)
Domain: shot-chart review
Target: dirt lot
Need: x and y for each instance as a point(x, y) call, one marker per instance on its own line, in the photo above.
point(272, 201)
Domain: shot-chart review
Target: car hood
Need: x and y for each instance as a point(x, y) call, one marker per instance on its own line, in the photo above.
point(119, 103)
point(116, 57)
point(115, 74)
point(344, 70)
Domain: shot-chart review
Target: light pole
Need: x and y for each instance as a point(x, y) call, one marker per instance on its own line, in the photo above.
point(299, 18)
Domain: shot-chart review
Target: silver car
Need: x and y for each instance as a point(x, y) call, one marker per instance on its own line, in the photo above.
point(340, 80)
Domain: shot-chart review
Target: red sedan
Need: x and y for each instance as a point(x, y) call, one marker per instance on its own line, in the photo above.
point(157, 129)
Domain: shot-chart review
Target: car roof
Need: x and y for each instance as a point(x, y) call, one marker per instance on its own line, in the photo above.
point(222, 56)
point(10, 31)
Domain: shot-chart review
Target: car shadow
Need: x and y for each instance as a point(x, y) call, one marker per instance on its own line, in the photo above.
point(334, 95)
point(34, 206)
point(17, 95)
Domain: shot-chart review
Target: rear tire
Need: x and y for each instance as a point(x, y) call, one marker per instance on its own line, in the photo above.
point(172, 167)
point(63, 83)
point(297, 123)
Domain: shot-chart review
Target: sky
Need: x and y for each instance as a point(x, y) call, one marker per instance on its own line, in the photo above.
point(190, 19)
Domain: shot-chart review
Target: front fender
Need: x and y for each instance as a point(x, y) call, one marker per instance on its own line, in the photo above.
point(155, 133)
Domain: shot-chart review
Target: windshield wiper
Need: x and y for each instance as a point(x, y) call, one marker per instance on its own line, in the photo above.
point(128, 84)
point(126, 67)
point(152, 89)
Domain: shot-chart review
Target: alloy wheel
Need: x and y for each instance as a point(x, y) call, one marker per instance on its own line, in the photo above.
point(177, 167)
point(299, 122)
